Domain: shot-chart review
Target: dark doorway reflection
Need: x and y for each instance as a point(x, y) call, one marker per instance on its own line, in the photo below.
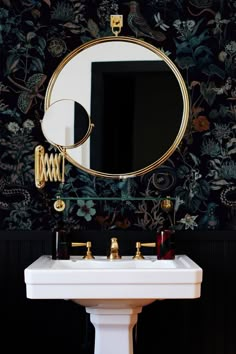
point(81, 122)
point(137, 111)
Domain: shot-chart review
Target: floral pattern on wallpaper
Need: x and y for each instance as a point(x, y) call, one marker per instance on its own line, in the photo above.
point(199, 36)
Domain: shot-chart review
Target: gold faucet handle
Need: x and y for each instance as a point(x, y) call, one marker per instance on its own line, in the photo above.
point(150, 244)
point(138, 254)
point(88, 244)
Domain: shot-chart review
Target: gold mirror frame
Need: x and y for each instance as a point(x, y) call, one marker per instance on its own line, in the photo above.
point(79, 142)
point(183, 89)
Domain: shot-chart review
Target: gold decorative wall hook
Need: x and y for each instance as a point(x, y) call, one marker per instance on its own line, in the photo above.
point(59, 204)
point(48, 167)
point(116, 23)
point(167, 204)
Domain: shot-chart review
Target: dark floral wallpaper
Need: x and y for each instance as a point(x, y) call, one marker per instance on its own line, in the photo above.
point(199, 36)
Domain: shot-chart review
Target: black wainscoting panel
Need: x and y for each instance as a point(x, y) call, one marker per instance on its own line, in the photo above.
point(194, 326)
point(48, 325)
point(230, 297)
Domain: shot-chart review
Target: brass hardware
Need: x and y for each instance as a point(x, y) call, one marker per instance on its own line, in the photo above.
point(167, 204)
point(54, 93)
point(59, 204)
point(138, 254)
point(116, 23)
point(88, 244)
point(48, 167)
point(114, 250)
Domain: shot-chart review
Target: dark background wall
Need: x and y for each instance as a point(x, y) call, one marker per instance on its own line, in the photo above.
point(205, 325)
point(199, 36)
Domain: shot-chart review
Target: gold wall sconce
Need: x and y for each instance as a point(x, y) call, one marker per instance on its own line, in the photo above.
point(48, 167)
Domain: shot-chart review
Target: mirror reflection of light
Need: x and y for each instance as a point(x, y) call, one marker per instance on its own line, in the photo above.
point(81, 154)
point(68, 136)
point(68, 111)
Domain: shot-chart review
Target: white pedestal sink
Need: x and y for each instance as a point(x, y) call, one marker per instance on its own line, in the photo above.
point(113, 292)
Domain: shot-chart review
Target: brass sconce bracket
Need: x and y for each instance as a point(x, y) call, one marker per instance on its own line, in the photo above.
point(48, 167)
point(116, 23)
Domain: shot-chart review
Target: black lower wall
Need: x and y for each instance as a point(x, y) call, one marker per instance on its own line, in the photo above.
point(196, 326)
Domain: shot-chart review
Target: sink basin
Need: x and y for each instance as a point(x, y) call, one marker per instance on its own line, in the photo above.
point(124, 263)
point(100, 279)
point(113, 291)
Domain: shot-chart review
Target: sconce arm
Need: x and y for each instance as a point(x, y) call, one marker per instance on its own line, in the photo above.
point(48, 167)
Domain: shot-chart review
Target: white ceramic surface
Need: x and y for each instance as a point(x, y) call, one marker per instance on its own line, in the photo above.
point(113, 291)
point(101, 278)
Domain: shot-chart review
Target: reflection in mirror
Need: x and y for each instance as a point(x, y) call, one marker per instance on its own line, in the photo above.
point(129, 108)
point(66, 123)
point(136, 98)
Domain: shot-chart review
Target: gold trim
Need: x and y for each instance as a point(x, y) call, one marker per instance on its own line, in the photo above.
point(48, 167)
point(39, 179)
point(183, 88)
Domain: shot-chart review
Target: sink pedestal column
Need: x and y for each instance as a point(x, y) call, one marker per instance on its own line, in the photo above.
point(113, 329)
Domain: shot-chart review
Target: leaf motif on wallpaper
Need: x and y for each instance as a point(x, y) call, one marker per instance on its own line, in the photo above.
point(208, 92)
point(192, 198)
point(232, 151)
point(185, 62)
point(28, 3)
point(193, 50)
point(30, 91)
point(217, 185)
point(89, 192)
point(11, 63)
point(48, 2)
point(203, 55)
point(213, 69)
point(195, 159)
point(223, 112)
point(182, 171)
point(93, 28)
point(196, 41)
point(74, 28)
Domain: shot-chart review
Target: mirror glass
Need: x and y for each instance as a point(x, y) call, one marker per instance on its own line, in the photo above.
point(135, 97)
point(66, 123)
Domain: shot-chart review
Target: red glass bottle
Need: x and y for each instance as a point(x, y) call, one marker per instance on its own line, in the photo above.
point(165, 244)
point(60, 243)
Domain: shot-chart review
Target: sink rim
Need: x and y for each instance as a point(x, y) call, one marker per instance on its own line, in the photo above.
point(42, 281)
point(43, 271)
point(126, 262)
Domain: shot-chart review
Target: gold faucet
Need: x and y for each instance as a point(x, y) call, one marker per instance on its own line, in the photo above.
point(138, 254)
point(114, 250)
point(88, 245)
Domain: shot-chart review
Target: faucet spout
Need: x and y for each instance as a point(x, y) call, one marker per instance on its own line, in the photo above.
point(114, 250)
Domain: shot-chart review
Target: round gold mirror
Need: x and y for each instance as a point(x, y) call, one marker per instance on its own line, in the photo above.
point(66, 124)
point(134, 95)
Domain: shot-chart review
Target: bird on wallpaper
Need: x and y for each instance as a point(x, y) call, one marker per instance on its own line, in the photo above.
point(138, 24)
